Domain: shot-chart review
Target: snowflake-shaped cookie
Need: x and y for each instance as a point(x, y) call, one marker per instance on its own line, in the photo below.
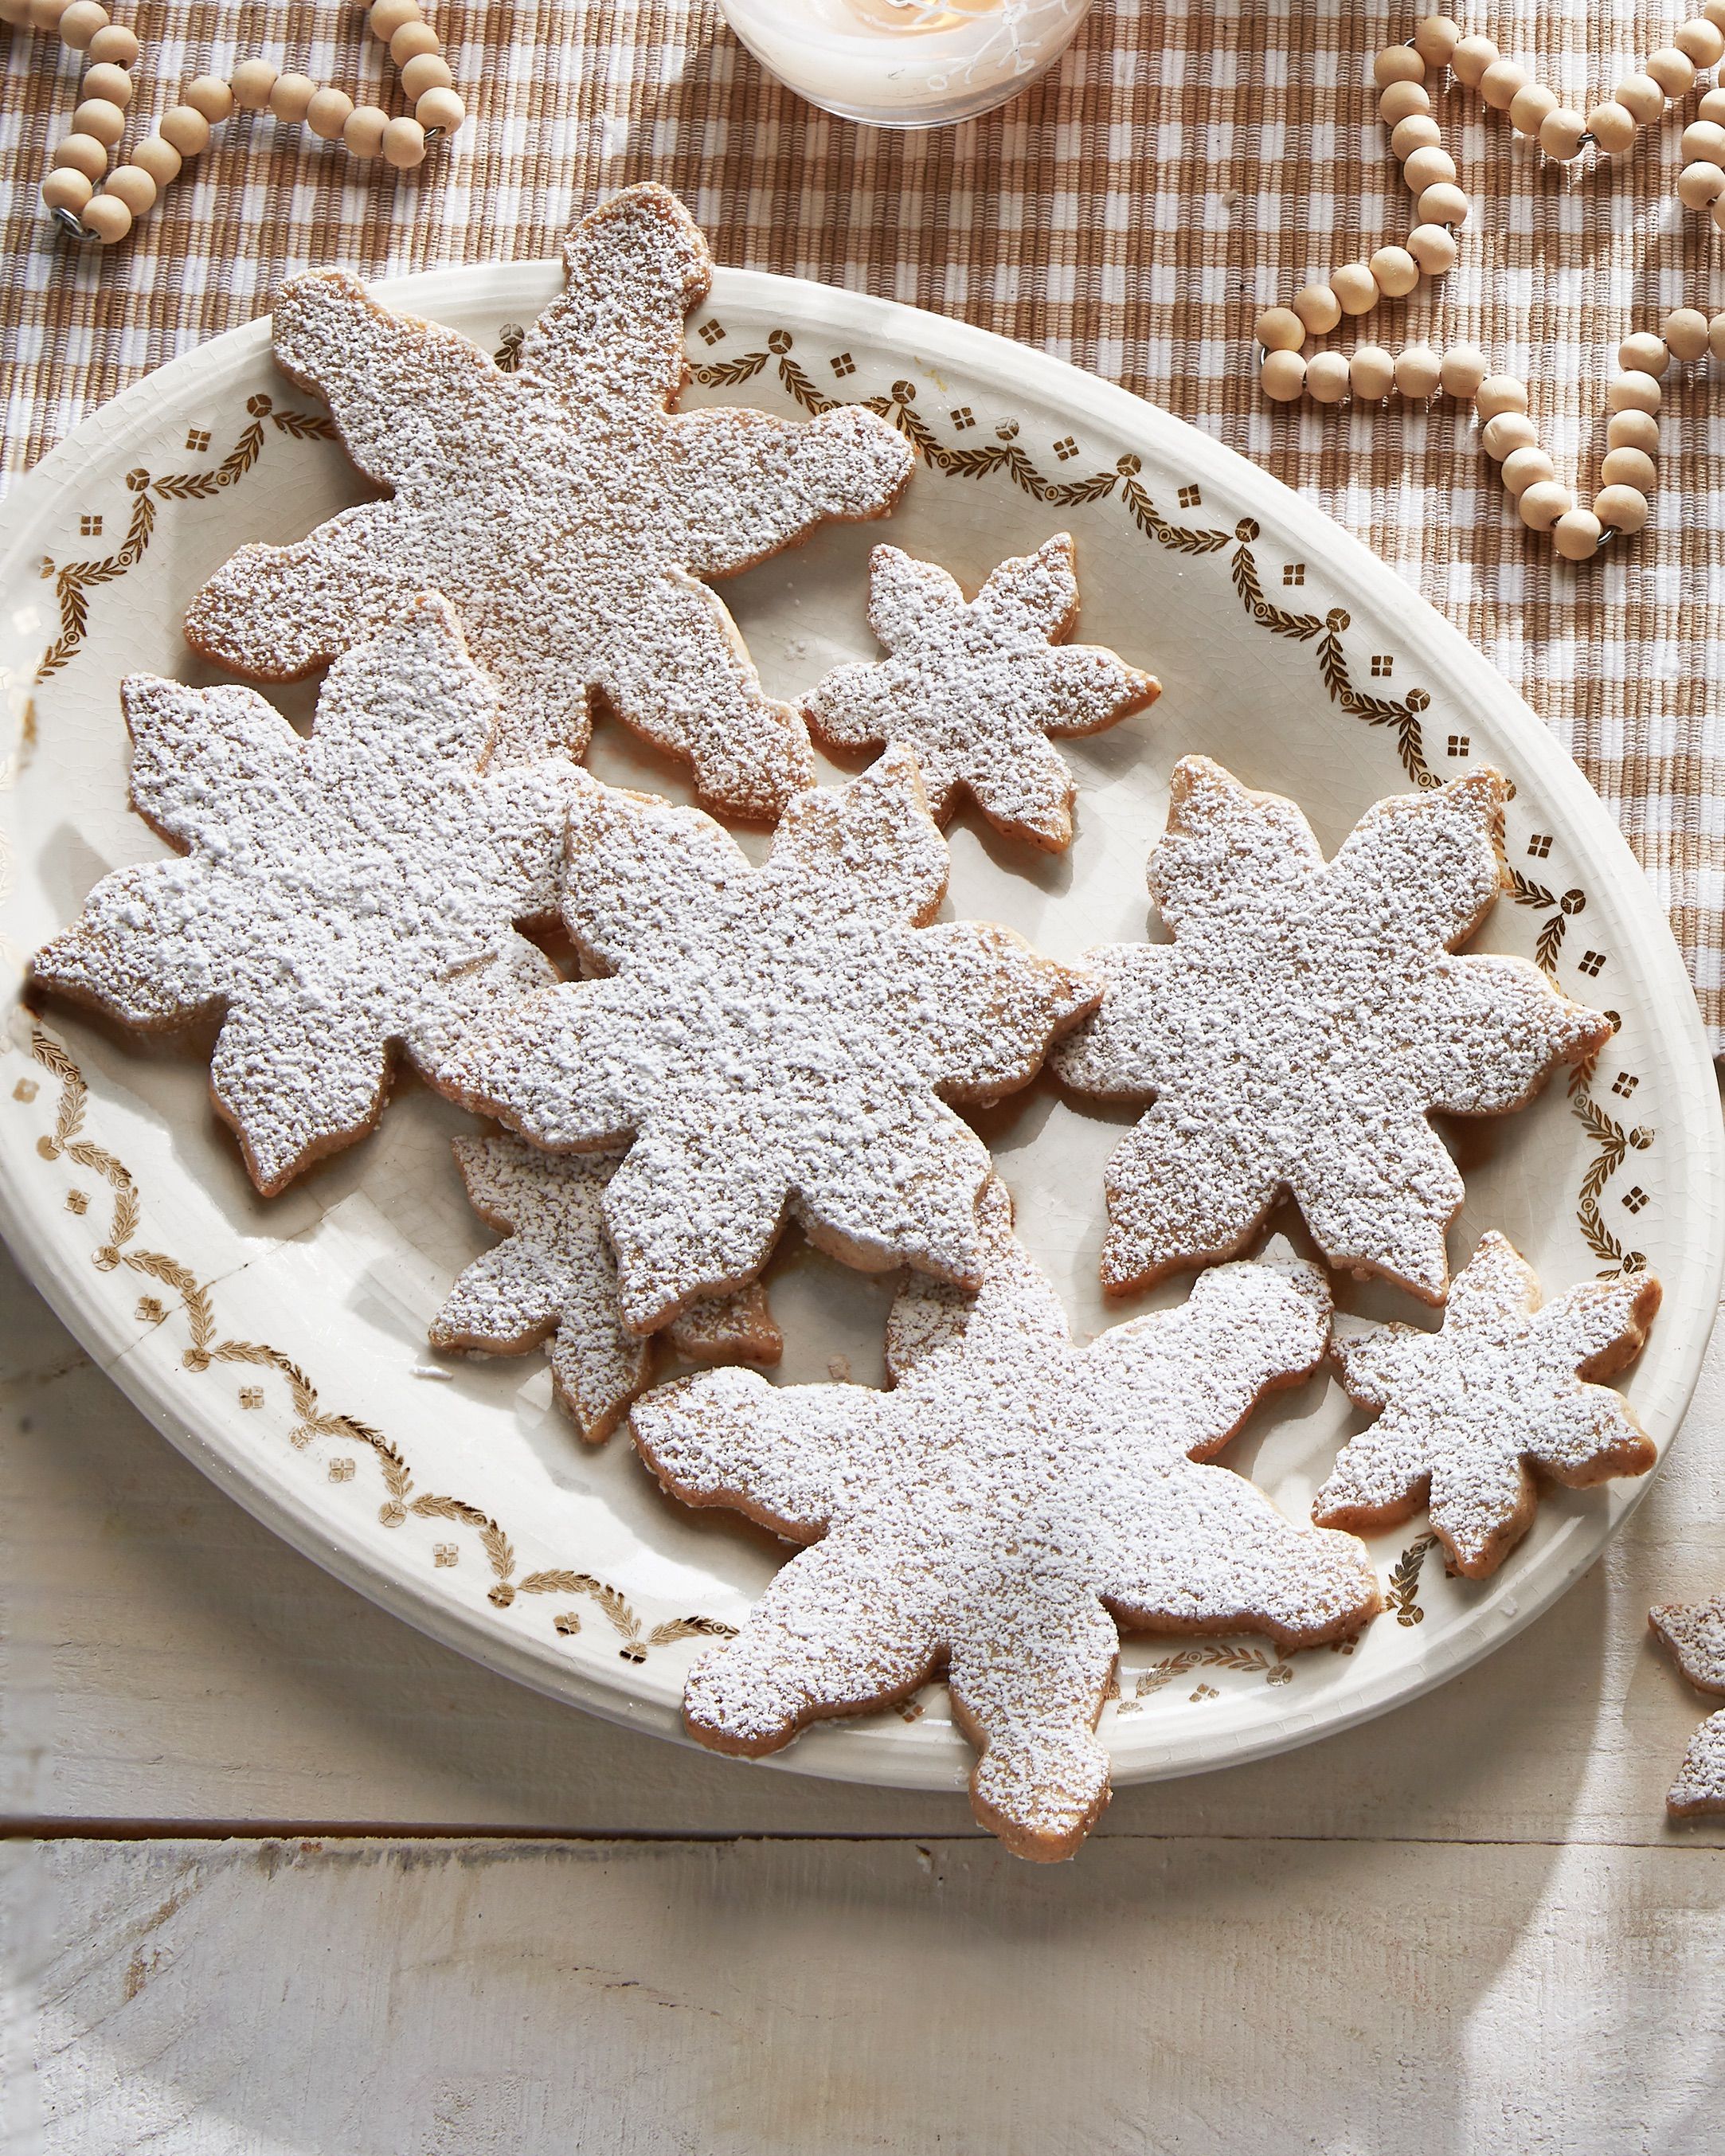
point(341, 896)
point(1695, 1634)
point(1302, 1025)
point(1470, 1413)
point(1010, 1504)
point(565, 510)
point(977, 689)
point(554, 1277)
point(774, 1039)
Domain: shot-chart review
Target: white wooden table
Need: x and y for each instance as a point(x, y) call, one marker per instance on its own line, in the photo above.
point(289, 1878)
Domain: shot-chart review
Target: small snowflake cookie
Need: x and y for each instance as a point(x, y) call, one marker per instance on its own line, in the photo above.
point(1002, 1511)
point(975, 689)
point(776, 1039)
point(1469, 1415)
point(553, 1277)
point(565, 510)
point(1695, 1634)
point(1302, 1025)
point(340, 897)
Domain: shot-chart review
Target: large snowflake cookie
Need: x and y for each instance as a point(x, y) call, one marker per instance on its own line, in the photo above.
point(553, 1278)
point(563, 508)
point(774, 1039)
point(975, 689)
point(1469, 1415)
point(1695, 1634)
point(339, 897)
point(1302, 1025)
point(1010, 1504)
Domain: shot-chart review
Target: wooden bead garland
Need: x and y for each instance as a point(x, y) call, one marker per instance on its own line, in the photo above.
point(1629, 469)
point(91, 202)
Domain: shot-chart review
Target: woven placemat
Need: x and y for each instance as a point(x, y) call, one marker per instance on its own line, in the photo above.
point(1184, 167)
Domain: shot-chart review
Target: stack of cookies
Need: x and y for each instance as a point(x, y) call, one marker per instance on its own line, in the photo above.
point(746, 1047)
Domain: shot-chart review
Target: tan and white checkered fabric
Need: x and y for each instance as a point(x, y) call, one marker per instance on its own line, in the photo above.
point(1188, 163)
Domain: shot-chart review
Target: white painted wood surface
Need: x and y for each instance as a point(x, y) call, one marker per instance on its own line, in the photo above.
point(1465, 1926)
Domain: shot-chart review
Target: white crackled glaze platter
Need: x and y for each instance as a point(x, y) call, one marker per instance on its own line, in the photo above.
point(281, 1344)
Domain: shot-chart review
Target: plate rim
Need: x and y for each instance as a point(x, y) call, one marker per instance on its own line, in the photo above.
point(882, 1762)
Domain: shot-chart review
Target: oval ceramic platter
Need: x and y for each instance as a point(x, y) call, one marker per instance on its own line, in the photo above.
point(282, 1343)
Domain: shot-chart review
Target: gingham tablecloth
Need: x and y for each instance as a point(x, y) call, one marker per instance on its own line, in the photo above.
point(1186, 165)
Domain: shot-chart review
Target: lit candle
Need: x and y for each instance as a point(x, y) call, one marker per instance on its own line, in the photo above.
point(906, 63)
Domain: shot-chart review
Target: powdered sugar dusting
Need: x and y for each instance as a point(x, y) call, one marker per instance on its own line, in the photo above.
point(1466, 1412)
point(565, 512)
point(1304, 1021)
point(774, 1040)
point(1011, 1502)
point(975, 689)
point(1695, 1634)
point(339, 896)
point(554, 1277)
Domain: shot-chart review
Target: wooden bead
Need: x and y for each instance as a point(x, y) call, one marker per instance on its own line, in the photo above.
point(97, 116)
point(1521, 467)
point(1509, 430)
point(411, 40)
point(290, 97)
point(1499, 393)
point(1280, 329)
point(1462, 369)
point(17, 12)
point(1633, 392)
point(1641, 97)
point(1282, 376)
point(45, 14)
point(1627, 467)
point(1470, 59)
point(1622, 507)
point(133, 186)
point(1429, 168)
point(1560, 134)
point(1578, 534)
point(1643, 353)
point(116, 44)
point(1327, 377)
point(1398, 64)
point(1699, 187)
point(66, 188)
point(441, 109)
point(1435, 40)
point(1613, 127)
point(1355, 288)
point(1704, 139)
point(1543, 503)
point(404, 145)
point(426, 71)
point(1394, 271)
point(388, 16)
point(80, 153)
point(1371, 373)
point(211, 96)
point(1318, 308)
point(188, 132)
point(1529, 108)
point(80, 23)
point(1699, 40)
point(1684, 332)
point(1417, 372)
point(106, 218)
point(1714, 11)
point(1500, 83)
point(1421, 132)
point(1402, 101)
point(1715, 336)
point(159, 159)
point(328, 114)
point(1433, 249)
point(1633, 430)
point(1712, 106)
point(1443, 204)
point(1672, 69)
point(252, 82)
point(362, 135)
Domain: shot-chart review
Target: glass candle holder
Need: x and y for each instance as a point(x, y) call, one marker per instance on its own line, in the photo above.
point(906, 63)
